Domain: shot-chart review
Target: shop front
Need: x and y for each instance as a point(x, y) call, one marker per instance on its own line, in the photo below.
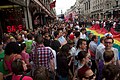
point(37, 14)
point(116, 14)
point(14, 15)
point(41, 14)
point(11, 16)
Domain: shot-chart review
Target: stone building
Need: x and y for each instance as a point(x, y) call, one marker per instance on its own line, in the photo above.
point(99, 9)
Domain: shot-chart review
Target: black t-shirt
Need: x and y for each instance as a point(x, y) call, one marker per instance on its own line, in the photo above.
point(47, 43)
point(62, 64)
point(55, 44)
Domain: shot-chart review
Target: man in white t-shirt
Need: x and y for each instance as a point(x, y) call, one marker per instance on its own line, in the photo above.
point(99, 47)
point(108, 47)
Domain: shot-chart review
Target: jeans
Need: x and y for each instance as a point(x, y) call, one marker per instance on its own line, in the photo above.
point(52, 75)
point(63, 78)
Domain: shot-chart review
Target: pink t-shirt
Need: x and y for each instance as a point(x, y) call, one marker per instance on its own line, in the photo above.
point(25, 56)
point(17, 77)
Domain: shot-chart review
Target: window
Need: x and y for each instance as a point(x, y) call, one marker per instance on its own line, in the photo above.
point(89, 4)
point(107, 6)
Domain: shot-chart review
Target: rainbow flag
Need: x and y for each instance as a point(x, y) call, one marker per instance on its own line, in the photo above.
point(100, 32)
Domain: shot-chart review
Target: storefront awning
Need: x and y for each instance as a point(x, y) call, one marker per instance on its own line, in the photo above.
point(44, 8)
point(9, 6)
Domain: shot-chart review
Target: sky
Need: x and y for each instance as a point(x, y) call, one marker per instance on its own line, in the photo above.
point(63, 5)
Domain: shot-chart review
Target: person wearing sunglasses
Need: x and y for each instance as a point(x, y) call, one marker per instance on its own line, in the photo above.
point(108, 42)
point(85, 73)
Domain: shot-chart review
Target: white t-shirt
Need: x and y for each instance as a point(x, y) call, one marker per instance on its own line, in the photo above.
point(72, 51)
point(77, 26)
point(114, 24)
point(82, 36)
point(54, 54)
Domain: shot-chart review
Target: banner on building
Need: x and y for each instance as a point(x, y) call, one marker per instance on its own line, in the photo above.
point(52, 5)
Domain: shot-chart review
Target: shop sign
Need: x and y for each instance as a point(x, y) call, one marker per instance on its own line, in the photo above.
point(14, 28)
point(20, 2)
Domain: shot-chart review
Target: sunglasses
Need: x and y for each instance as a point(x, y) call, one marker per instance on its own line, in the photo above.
point(108, 42)
point(90, 77)
point(19, 60)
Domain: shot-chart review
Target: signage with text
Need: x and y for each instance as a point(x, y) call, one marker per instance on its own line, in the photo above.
point(14, 28)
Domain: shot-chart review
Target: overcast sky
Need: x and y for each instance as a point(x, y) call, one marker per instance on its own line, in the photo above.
point(63, 5)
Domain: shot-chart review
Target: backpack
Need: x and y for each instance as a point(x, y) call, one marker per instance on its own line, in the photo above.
point(28, 46)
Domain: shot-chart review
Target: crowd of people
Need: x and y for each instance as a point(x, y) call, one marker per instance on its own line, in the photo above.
point(59, 51)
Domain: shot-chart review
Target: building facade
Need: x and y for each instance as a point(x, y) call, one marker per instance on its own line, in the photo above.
point(81, 8)
point(14, 15)
point(41, 12)
point(98, 9)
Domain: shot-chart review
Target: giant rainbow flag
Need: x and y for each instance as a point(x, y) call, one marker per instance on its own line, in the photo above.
point(95, 29)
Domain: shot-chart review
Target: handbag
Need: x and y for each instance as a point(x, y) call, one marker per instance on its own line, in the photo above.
point(8, 77)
